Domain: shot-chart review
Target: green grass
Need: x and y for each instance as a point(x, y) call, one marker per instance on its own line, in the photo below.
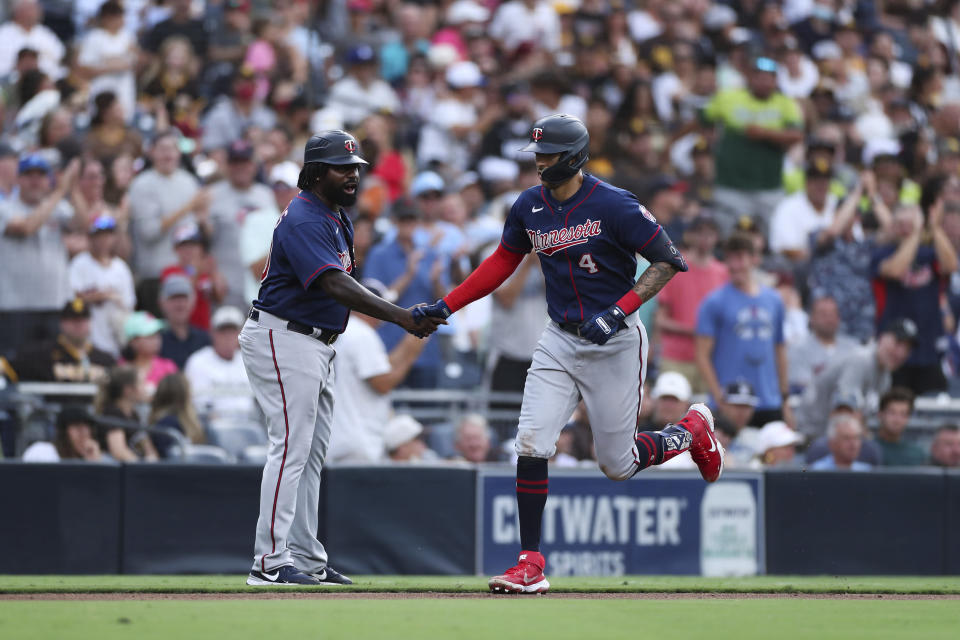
point(493, 618)
point(463, 584)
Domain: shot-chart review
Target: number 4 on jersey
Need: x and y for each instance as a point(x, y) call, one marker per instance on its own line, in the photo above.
point(586, 262)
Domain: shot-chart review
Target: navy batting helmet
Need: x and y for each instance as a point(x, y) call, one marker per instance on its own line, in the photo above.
point(563, 134)
point(333, 147)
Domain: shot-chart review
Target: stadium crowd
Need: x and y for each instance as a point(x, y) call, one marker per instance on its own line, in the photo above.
point(805, 154)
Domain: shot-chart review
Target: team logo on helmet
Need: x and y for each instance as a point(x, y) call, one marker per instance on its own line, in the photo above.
point(537, 134)
point(350, 145)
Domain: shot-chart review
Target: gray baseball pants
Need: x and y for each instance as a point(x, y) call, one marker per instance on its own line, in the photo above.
point(291, 375)
point(609, 378)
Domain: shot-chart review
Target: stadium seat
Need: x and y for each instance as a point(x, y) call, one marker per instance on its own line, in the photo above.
point(205, 454)
point(235, 438)
point(254, 454)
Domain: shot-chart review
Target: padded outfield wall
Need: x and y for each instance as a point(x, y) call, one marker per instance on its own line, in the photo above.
point(164, 518)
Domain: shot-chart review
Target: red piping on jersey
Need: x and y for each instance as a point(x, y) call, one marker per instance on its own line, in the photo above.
point(514, 249)
point(319, 269)
point(283, 461)
point(655, 234)
point(305, 199)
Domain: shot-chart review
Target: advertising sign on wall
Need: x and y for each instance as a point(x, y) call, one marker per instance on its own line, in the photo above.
point(655, 523)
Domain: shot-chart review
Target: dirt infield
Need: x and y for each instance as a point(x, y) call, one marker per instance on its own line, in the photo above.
point(333, 595)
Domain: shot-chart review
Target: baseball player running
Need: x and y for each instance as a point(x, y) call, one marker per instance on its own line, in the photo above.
point(306, 294)
point(587, 234)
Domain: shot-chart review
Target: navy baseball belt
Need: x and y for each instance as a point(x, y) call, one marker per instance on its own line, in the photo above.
point(570, 327)
point(326, 336)
point(573, 328)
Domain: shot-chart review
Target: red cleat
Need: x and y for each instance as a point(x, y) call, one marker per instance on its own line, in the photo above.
point(526, 577)
point(705, 450)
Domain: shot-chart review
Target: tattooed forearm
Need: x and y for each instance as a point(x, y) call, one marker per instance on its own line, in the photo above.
point(653, 279)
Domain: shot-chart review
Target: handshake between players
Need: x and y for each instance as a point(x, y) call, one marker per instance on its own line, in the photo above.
point(598, 329)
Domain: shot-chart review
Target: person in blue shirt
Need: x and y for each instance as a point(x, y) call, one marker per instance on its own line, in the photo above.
point(410, 274)
point(740, 335)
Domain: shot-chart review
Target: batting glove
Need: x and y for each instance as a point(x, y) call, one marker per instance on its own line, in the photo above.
point(438, 309)
point(602, 326)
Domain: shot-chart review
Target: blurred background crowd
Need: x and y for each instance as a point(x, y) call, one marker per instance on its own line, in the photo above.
point(805, 154)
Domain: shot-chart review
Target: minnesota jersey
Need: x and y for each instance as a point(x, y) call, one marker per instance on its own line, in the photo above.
point(587, 244)
point(308, 240)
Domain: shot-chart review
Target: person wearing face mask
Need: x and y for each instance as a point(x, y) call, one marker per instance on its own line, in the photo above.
point(234, 114)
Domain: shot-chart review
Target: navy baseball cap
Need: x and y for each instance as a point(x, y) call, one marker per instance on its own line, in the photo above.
point(239, 151)
point(361, 54)
point(740, 392)
point(33, 162)
point(904, 329)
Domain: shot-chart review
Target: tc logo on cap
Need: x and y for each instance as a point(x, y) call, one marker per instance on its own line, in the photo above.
point(350, 145)
point(537, 134)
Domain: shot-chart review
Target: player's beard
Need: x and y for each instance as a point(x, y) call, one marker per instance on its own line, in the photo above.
point(339, 196)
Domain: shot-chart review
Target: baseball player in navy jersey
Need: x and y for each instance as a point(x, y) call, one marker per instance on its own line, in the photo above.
point(306, 294)
point(587, 234)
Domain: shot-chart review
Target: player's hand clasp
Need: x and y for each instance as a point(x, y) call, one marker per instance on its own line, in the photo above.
point(425, 318)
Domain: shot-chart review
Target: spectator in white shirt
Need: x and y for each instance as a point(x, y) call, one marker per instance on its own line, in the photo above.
point(797, 75)
point(532, 23)
point(108, 55)
point(75, 440)
point(453, 129)
point(104, 282)
point(361, 93)
point(217, 377)
point(366, 374)
point(26, 30)
point(797, 216)
point(256, 232)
